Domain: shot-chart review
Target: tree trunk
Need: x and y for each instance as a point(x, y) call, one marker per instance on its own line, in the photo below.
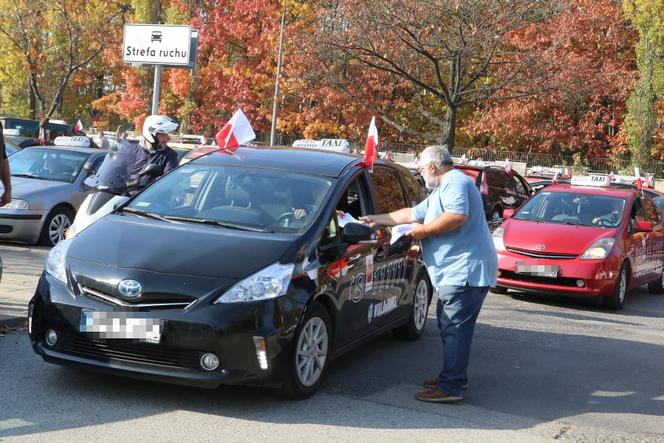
point(33, 103)
point(449, 137)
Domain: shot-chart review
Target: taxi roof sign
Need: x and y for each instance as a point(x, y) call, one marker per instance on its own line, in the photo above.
point(590, 180)
point(77, 141)
point(328, 144)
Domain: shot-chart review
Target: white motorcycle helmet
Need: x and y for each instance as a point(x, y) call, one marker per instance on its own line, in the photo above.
point(155, 124)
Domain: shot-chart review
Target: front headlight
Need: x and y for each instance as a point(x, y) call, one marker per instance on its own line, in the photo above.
point(17, 204)
point(498, 236)
point(599, 250)
point(55, 261)
point(271, 282)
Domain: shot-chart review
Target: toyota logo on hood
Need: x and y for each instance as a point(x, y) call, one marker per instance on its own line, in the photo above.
point(540, 247)
point(130, 289)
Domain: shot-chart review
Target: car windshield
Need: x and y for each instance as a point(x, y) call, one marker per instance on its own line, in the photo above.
point(235, 197)
point(573, 209)
point(47, 164)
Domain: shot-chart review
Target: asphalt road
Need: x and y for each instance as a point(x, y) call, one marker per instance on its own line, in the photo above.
point(542, 368)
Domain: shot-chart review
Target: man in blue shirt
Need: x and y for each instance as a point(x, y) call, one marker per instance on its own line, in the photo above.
point(460, 259)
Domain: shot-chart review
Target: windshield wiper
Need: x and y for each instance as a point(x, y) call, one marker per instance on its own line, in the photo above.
point(144, 213)
point(209, 221)
point(28, 176)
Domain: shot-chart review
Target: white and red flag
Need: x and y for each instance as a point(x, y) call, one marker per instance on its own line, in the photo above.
point(484, 185)
point(371, 146)
point(236, 132)
point(555, 179)
point(78, 127)
point(508, 167)
point(639, 182)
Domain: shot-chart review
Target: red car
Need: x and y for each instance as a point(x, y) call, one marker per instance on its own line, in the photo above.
point(594, 241)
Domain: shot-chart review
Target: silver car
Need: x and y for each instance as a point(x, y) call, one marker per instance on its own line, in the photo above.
point(47, 190)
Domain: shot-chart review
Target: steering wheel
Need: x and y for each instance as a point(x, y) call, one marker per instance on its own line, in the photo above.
point(286, 216)
point(604, 221)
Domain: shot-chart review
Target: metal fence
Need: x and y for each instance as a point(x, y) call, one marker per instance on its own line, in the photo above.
point(600, 164)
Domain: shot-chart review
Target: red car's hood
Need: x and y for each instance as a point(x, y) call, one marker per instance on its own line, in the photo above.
point(551, 237)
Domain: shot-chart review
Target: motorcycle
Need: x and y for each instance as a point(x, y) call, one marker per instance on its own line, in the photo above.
point(111, 187)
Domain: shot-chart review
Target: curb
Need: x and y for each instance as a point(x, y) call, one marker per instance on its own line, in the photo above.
point(13, 323)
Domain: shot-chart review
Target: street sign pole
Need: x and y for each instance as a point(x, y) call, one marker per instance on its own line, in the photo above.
point(156, 89)
point(275, 104)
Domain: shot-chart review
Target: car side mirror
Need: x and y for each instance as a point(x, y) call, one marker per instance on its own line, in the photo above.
point(152, 170)
point(643, 226)
point(507, 213)
point(358, 234)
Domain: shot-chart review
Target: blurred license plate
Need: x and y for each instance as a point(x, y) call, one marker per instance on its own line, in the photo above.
point(537, 270)
point(123, 325)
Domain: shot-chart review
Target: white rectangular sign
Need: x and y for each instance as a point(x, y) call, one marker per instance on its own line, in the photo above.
point(157, 44)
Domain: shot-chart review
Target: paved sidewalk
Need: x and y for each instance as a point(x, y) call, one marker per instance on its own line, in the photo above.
point(21, 268)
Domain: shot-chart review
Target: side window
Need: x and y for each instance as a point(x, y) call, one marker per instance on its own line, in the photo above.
point(96, 164)
point(389, 195)
point(353, 201)
point(636, 213)
point(412, 187)
point(520, 187)
point(652, 214)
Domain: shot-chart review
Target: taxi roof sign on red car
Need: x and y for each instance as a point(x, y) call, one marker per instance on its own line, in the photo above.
point(590, 180)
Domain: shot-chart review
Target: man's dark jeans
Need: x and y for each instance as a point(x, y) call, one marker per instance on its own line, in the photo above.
point(457, 311)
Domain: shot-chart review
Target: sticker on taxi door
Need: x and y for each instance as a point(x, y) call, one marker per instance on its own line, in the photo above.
point(370, 271)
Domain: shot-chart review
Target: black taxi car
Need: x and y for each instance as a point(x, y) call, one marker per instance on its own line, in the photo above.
point(235, 269)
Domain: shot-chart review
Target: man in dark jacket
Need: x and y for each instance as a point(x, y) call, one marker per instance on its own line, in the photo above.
point(153, 148)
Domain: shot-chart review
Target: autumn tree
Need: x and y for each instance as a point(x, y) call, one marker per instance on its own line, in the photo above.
point(588, 52)
point(54, 39)
point(641, 125)
point(443, 51)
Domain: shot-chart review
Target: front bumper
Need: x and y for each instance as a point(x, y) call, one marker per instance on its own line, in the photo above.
point(228, 331)
point(598, 276)
point(21, 225)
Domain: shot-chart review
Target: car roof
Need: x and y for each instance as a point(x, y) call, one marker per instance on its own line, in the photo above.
point(592, 190)
point(309, 161)
point(67, 148)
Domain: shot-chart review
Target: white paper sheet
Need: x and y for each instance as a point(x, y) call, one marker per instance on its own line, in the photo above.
point(347, 218)
point(399, 231)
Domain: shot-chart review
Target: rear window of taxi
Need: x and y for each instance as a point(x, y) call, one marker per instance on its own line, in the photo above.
point(472, 173)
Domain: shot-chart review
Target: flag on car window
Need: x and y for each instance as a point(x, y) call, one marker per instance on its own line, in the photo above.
point(508, 167)
point(371, 146)
point(78, 127)
point(236, 132)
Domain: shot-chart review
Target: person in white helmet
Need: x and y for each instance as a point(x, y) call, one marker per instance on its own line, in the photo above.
point(153, 148)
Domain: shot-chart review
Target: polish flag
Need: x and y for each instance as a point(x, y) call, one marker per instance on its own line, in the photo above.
point(463, 160)
point(555, 179)
point(484, 186)
point(639, 183)
point(508, 167)
point(78, 127)
point(371, 146)
point(236, 132)
point(566, 173)
point(611, 176)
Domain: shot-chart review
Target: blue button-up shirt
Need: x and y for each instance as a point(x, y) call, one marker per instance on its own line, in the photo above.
point(467, 254)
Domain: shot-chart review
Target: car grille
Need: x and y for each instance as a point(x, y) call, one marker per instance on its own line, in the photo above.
point(558, 281)
point(127, 351)
point(542, 254)
point(110, 299)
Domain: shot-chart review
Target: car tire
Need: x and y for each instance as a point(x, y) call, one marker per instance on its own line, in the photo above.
point(419, 309)
point(57, 223)
point(306, 371)
point(657, 286)
point(617, 299)
point(499, 290)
